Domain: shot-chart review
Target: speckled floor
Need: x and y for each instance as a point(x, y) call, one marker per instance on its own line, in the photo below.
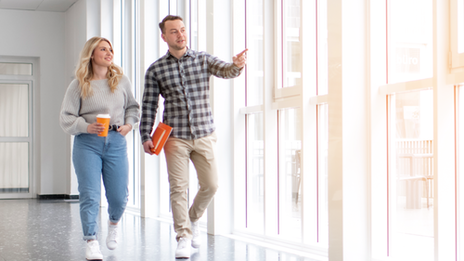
point(42, 230)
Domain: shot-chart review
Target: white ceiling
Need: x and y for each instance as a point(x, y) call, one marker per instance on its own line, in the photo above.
point(38, 5)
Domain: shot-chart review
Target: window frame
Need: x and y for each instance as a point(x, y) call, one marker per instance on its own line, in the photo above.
point(456, 59)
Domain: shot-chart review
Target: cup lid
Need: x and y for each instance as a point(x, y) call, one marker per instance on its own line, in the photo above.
point(103, 116)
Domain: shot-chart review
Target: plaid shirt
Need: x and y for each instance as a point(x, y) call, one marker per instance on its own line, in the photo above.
point(184, 85)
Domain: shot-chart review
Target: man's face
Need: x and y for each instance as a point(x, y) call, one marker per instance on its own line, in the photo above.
point(175, 35)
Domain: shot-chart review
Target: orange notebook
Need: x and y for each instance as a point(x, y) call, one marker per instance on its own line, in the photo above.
point(160, 136)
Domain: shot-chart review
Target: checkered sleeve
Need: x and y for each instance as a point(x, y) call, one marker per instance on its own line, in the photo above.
point(222, 69)
point(149, 105)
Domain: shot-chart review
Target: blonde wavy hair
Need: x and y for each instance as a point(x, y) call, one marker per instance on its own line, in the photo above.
point(84, 71)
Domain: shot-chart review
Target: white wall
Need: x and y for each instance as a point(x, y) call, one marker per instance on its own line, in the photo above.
point(83, 21)
point(41, 34)
point(56, 38)
point(75, 38)
point(220, 211)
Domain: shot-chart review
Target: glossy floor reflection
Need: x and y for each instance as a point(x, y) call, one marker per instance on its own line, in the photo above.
point(42, 230)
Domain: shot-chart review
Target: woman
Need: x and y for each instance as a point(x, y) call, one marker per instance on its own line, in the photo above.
point(99, 88)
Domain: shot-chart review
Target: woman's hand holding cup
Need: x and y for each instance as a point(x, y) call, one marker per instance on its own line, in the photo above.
point(96, 128)
point(101, 126)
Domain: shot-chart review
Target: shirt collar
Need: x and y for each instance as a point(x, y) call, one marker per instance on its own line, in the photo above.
point(189, 52)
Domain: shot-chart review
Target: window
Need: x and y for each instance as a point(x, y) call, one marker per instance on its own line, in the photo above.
point(281, 155)
point(322, 55)
point(255, 59)
point(291, 43)
point(322, 174)
point(125, 44)
point(193, 15)
point(14, 151)
point(460, 15)
point(17, 148)
point(411, 190)
point(457, 33)
point(410, 44)
point(255, 173)
point(16, 68)
point(290, 176)
point(460, 169)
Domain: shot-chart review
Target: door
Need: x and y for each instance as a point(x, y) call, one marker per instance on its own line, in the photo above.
point(16, 139)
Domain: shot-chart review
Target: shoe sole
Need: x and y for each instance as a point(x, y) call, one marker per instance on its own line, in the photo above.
point(182, 257)
point(111, 248)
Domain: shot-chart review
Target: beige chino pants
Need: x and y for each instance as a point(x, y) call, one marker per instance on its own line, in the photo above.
point(178, 153)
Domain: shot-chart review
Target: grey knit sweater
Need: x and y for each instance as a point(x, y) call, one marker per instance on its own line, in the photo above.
point(78, 113)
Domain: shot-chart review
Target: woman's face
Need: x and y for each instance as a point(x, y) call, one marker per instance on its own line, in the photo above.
point(102, 55)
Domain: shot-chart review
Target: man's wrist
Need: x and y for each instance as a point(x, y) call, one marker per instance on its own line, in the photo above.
point(145, 138)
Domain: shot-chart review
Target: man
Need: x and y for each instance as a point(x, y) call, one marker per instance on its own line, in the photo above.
point(182, 78)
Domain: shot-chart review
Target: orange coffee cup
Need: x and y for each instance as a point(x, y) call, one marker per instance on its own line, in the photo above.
point(105, 120)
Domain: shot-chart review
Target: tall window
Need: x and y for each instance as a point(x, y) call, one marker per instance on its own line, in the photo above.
point(16, 143)
point(456, 19)
point(254, 179)
point(254, 41)
point(193, 34)
point(460, 168)
point(322, 55)
point(460, 24)
point(410, 44)
point(291, 43)
point(287, 63)
point(125, 42)
point(410, 191)
point(255, 174)
point(402, 152)
point(290, 176)
point(322, 174)
point(192, 13)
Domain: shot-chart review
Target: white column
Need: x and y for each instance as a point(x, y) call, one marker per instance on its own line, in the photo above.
point(149, 164)
point(309, 130)
point(378, 130)
point(348, 173)
point(444, 143)
point(219, 43)
point(93, 18)
point(106, 19)
point(270, 123)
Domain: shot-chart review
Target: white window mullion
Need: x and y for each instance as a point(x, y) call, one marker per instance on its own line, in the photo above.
point(309, 153)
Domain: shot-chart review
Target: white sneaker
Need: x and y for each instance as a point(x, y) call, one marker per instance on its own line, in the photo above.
point(92, 251)
point(196, 240)
point(112, 238)
point(183, 248)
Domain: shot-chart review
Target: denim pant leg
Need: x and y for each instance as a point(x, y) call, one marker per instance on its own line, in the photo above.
point(115, 175)
point(88, 164)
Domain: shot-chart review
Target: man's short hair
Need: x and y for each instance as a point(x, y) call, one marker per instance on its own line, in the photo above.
point(168, 18)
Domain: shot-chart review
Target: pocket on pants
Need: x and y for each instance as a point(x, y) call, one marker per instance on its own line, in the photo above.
point(209, 146)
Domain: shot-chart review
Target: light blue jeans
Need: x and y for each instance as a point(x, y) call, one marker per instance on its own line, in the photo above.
point(97, 158)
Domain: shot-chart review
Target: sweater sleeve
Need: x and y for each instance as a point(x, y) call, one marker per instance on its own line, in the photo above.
point(70, 121)
point(132, 108)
